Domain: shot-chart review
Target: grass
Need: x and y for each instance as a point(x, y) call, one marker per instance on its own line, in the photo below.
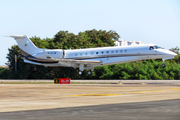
point(27, 83)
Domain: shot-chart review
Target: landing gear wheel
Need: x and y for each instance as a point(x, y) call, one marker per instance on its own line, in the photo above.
point(80, 72)
point(89, 72)
point(163, 65)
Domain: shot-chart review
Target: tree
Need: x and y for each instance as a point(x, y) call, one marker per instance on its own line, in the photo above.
point(61, 40)
point(150, 69)
point(176, 50)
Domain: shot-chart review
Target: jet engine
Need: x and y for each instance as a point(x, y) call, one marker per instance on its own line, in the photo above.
point(40, 55)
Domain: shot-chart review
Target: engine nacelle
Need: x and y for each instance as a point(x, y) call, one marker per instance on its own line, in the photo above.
point(49, 54)
point(40, 55)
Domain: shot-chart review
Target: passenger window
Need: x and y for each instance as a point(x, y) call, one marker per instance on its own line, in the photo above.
point(121, 51)
point(125, 51)
point(76, 54)
point(96, 52)
point(86, 53)
point(81, 54)
point(116, 51)
point(102, 52)
point(112, 51)
point(107, 51)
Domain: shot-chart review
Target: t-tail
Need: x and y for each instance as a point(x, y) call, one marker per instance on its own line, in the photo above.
point(26, 46)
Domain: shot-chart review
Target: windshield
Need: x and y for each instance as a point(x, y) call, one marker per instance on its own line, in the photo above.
point(157, 47)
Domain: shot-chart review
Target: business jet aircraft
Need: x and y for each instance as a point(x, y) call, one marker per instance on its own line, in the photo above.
point(90, 57)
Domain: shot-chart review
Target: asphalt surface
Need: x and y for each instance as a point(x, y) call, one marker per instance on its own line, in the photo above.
point(154, 110)
point(126, 101)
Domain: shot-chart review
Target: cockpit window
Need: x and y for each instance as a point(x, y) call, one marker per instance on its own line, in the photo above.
point(157, 47)
point(151, 48)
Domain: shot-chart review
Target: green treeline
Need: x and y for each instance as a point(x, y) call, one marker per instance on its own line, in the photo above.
point(143, 70)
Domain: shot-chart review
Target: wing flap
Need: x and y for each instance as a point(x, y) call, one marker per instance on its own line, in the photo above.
point(87, 61)
point(78, 61)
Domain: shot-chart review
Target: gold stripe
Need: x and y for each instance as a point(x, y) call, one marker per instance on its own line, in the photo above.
point(96, 95)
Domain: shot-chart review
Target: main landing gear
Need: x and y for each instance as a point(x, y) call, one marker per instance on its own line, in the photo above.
point(82, 67)
point(89, 72)
point(80, 72)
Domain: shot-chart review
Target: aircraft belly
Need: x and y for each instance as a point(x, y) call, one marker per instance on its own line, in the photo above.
point(115, 60)
point(45, 64)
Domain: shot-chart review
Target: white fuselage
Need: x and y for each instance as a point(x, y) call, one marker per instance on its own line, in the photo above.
point(90, 57)
point(107, 55)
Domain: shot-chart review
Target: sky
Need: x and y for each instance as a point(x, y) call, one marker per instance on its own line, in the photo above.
point(150, 21)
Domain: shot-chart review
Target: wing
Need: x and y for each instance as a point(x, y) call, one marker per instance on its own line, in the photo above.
point(72, 60)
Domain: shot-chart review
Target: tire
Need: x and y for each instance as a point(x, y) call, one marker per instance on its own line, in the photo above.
point(89, 72)
point(80, 72)
point(163, 65)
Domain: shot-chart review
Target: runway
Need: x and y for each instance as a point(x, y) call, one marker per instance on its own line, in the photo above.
point(155, 110)
point(89, 101)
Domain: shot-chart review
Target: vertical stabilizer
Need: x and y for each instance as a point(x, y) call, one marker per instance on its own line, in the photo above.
point(26, 46)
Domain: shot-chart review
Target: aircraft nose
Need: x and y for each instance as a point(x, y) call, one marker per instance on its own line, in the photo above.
point(172, 53)
point(166, 53)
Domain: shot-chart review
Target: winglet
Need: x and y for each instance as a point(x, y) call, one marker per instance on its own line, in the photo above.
point(47, 55)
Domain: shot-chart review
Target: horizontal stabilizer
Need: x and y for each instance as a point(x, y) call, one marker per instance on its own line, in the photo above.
point(31, 62)
point(17, 36)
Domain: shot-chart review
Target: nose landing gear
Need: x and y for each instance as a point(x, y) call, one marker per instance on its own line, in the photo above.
point(163, 59)
point(163, 65)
